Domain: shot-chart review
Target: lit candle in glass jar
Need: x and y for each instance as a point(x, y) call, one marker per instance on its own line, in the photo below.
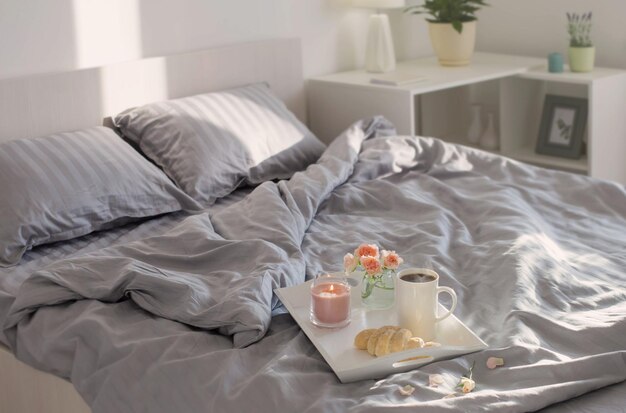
point(330, 301)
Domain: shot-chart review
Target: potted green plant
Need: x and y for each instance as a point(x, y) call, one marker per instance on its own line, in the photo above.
point(582, 53)
point(452, 28)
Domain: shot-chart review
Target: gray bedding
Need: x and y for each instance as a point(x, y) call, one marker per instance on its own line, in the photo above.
point(183, 321)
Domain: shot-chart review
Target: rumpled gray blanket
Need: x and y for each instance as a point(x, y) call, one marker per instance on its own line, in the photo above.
point(182, 322)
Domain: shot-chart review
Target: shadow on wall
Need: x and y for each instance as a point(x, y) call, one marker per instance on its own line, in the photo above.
point(167, 27)
point(31, 32)
point(332, 31)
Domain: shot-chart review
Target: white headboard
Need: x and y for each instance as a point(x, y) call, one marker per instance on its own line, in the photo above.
point(40, 105)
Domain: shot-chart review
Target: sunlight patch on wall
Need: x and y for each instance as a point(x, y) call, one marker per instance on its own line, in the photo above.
point(130, 84)
point(106, 31)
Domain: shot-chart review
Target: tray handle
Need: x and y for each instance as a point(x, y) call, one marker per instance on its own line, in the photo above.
point(413, 361)
point(418, 356)
point(404, 358)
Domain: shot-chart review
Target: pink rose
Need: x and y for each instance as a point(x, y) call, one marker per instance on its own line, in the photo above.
point(434, 380)
point(367, 250)
point(350, 263)
point(371, 265)
point(391, 260)
point(493, 362)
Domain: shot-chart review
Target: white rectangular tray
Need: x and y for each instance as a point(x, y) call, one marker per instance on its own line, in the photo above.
point(351, 364)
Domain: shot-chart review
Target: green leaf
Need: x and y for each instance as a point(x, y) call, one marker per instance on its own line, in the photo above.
point(369, 287)
point(449, 11)
point(458, 26)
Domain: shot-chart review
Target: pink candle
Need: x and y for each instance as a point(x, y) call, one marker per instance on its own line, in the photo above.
point(330, 304)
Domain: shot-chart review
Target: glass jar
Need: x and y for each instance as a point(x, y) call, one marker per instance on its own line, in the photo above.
point(378, 292)
point(330, 301)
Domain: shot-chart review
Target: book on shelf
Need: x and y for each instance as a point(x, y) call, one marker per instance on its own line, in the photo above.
point(397, 79)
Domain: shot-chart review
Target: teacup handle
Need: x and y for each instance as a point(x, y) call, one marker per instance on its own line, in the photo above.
point(452, 294)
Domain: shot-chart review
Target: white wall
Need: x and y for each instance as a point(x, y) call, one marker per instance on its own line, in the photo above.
point(41, 36)
point(537, 27)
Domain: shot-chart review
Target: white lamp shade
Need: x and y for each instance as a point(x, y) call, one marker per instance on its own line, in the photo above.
point(379, 4)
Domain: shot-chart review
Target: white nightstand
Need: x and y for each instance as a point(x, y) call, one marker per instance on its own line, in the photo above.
point(513, 87)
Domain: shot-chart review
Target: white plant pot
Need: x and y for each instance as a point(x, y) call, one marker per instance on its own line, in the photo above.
point(451, 47)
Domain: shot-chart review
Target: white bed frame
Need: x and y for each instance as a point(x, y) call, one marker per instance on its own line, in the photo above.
point(40, 105)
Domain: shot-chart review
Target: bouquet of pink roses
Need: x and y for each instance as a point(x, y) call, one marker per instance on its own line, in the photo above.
point(375, 263)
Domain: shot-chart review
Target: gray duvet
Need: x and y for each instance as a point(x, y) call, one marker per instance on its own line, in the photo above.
point(182, 322)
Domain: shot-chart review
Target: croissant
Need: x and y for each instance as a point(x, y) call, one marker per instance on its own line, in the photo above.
point(388, 339)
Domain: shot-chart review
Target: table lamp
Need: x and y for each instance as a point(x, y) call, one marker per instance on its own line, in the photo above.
point(379, 54)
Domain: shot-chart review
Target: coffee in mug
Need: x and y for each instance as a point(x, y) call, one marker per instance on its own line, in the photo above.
point(417, 292)
point(416, 277)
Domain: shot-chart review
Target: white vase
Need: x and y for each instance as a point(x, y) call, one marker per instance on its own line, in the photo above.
point(476, 125)
point(490, 140)
point(451, 47)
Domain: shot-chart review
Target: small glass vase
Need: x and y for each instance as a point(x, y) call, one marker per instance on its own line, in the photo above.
point(378, 293)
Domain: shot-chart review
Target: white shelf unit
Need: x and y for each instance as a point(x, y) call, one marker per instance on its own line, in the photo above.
point(521, 105)
point(512, 87)
point(338, 99)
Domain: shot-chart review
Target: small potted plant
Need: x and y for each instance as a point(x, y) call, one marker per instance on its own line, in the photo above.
point(582, 53)
point(452, 28)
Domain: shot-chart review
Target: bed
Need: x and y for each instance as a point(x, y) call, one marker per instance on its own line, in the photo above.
point(177, 312)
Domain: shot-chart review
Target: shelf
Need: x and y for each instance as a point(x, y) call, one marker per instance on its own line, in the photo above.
point(484, 67)
point(570, 77)
point(462, 141)
point(513, 88)
point(528, 155)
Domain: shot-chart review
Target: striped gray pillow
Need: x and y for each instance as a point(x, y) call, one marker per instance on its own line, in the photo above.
point(209, 144)
point(66, 185)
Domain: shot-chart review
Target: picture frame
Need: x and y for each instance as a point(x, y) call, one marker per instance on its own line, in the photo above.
point(562, 127)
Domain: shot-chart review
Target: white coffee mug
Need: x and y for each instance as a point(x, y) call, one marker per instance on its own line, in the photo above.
point(417, 302)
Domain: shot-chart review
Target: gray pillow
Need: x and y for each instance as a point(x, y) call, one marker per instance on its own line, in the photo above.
point(209, 144)
point(66, 185)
